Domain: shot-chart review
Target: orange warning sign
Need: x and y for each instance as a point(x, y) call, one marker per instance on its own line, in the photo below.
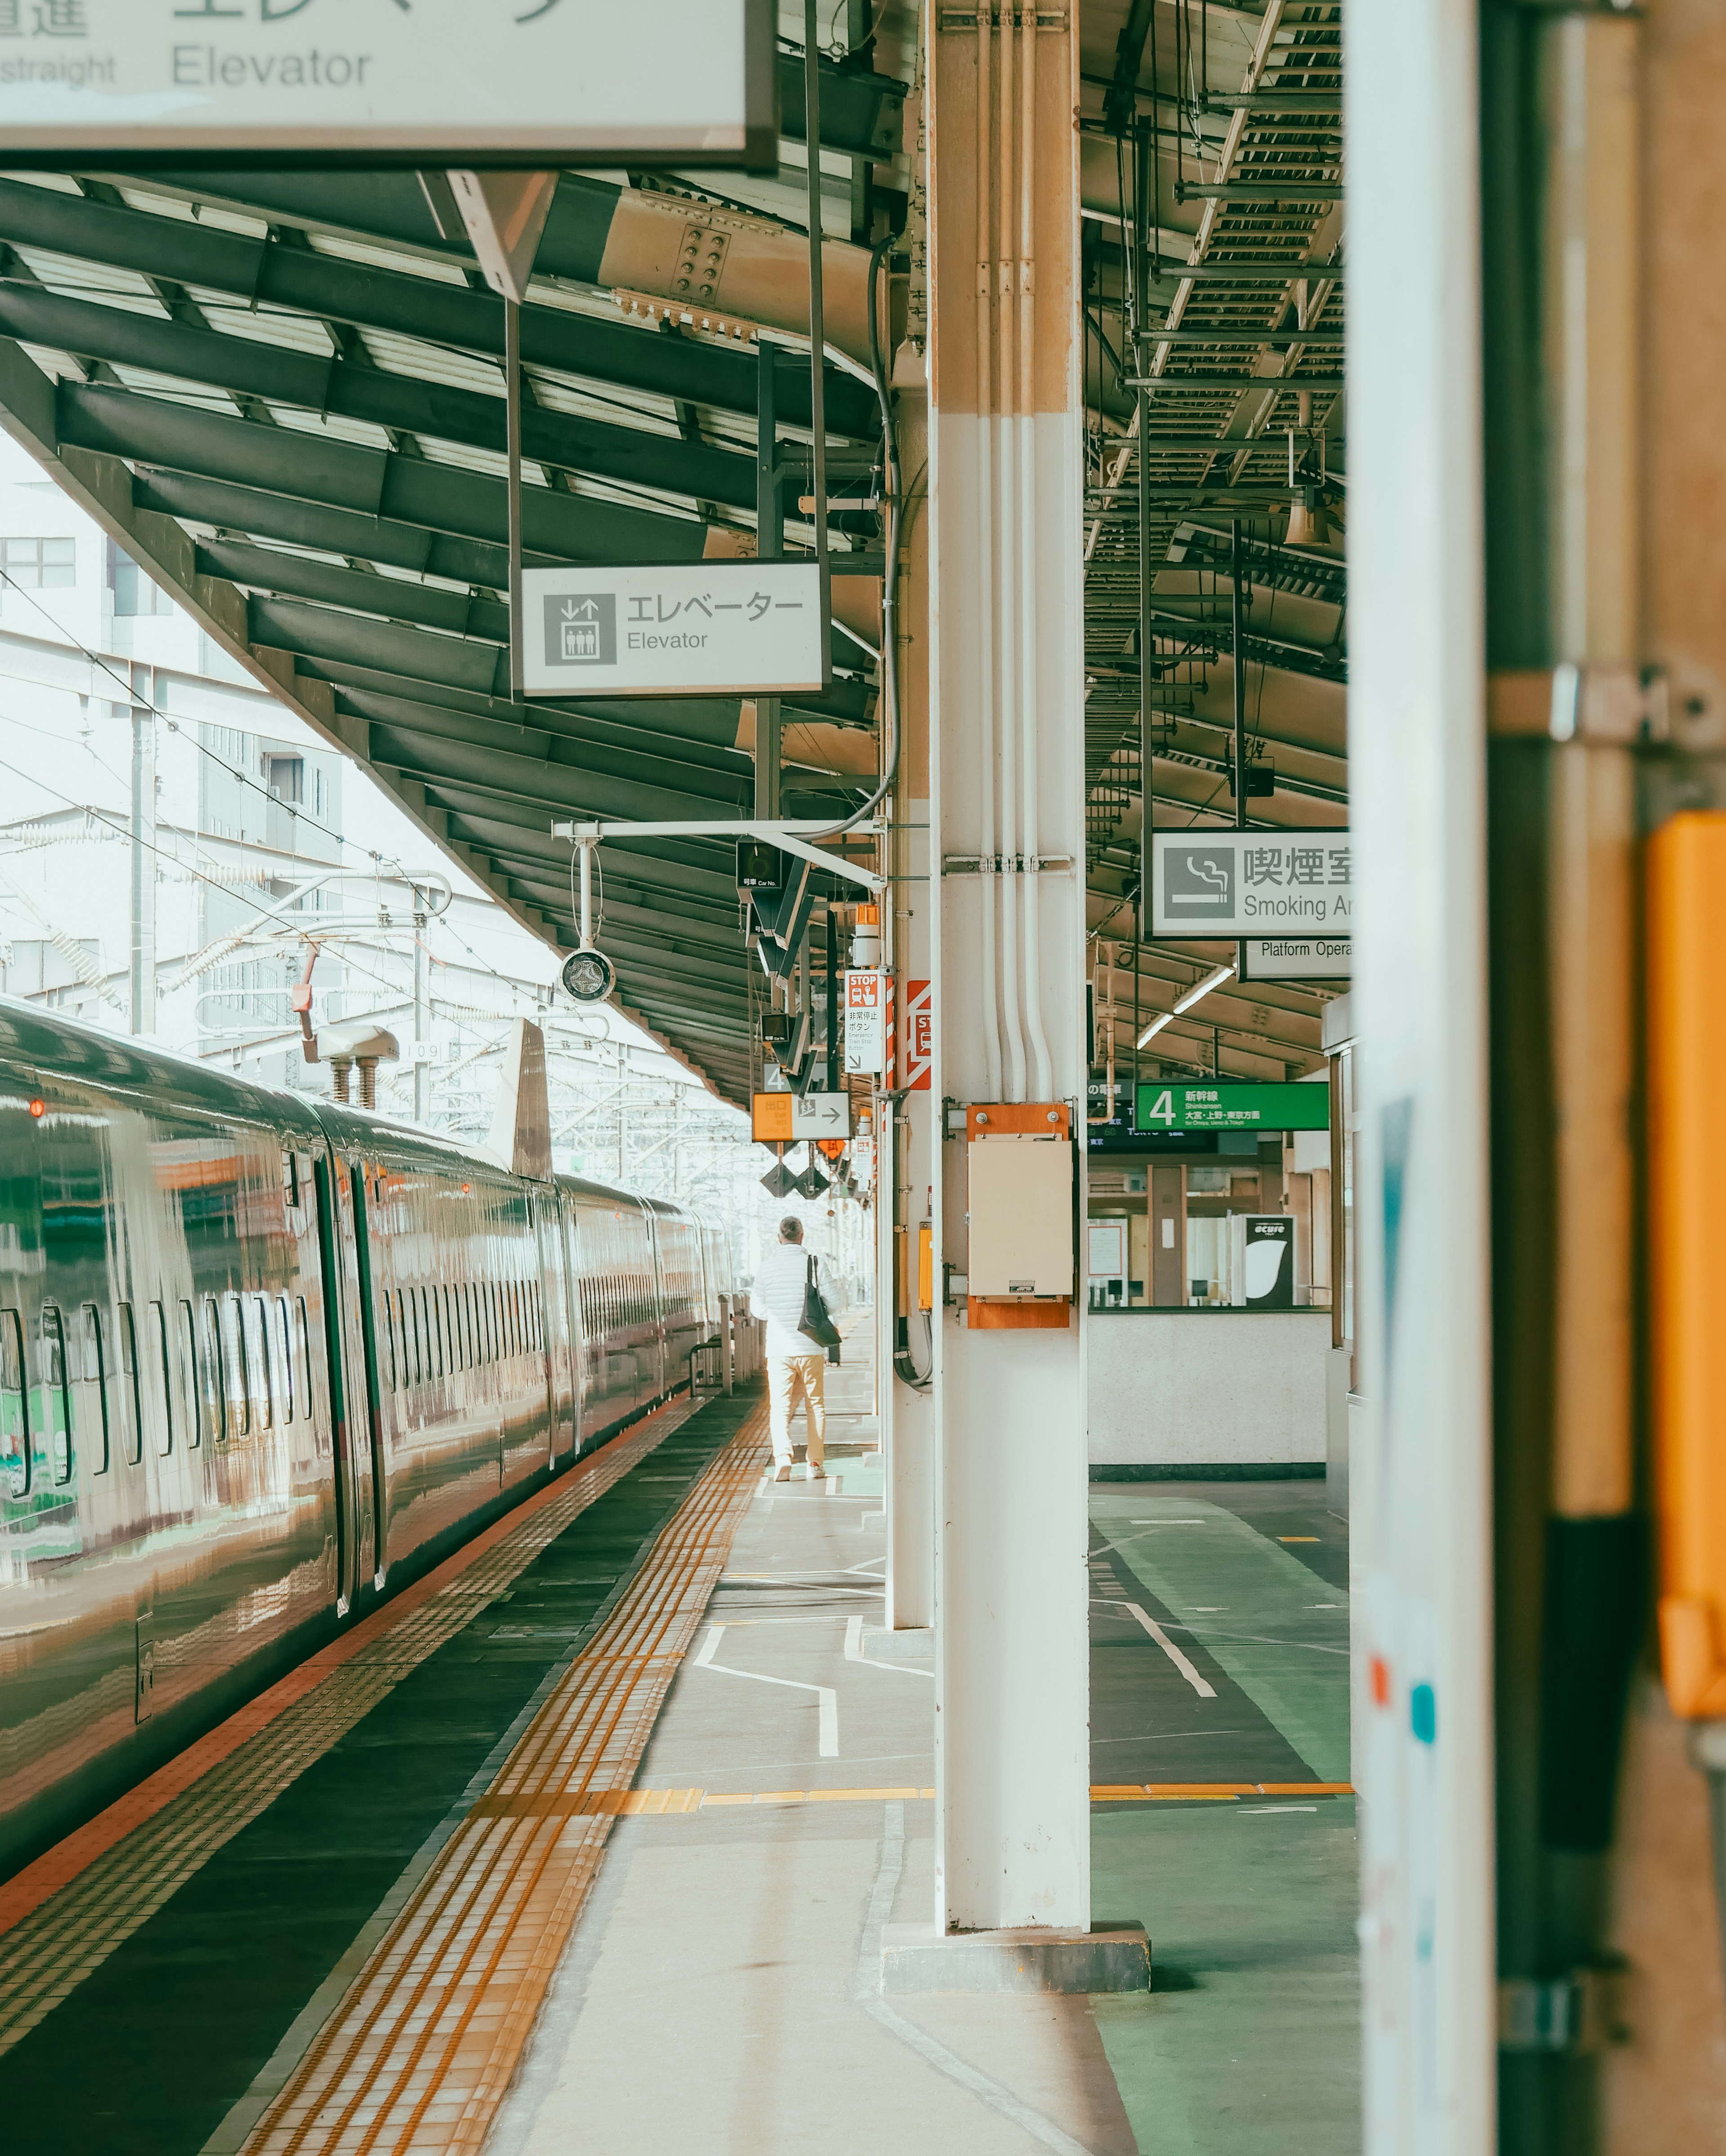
point(770, 1118)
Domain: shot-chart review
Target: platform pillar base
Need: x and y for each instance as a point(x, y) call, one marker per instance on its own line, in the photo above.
point(918, 1957)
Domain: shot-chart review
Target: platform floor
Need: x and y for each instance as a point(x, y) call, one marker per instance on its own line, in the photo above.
point(588, 1840)
point(719, 1994)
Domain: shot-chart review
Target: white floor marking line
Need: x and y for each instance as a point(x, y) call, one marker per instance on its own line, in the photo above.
point(827, 1700)
point(1267, 1811)
point(1205, 1691)
point(854, 1653)
point(1168, 1523)
point(866, 1993)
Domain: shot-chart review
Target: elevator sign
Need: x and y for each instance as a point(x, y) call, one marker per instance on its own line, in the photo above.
point(1251, 883)
point(747, 628)
point(538, 83)
point(1233, 1107)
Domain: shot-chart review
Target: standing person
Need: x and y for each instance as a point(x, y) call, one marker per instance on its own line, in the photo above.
point(795, 1363)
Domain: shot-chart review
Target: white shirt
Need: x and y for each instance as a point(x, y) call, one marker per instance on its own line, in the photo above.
point(776, 1293)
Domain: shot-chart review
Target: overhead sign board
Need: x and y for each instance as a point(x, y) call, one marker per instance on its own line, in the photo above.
point(533, 82)
point(1232, 1107)
point(1296, 958)
point(749, 628)
point(785, 1118)
point(1258, 884)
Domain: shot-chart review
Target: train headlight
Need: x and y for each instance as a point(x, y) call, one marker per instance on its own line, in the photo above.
point(588, 976)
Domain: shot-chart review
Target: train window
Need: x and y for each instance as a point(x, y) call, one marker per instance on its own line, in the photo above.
point(440, 1346)
point(451, 1328)
point(422, 1360)
point(284, 1357)
point(388, 1330)
point(464, 1329)
point(14, 1409)
point(209, 1358)
point(189, 1391)
point(401, 1342)
point(56, 1395)
point(235, 1378)
point(305, 1331)
point(131, 1397)
point(93, 1385)
point(162, 1391)
point(257, 1342)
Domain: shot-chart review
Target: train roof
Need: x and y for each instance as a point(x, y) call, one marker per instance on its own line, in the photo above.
point(48, 1042)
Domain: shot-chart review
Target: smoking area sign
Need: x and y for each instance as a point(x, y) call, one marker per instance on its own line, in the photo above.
point(867, 994)
point(1232, 1107)
point(541, 82)
point(750, 628)
point(1251, 883)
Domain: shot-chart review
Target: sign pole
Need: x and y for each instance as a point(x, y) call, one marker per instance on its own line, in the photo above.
point(1235, 612)
point(512, 423)
point(769, 547)
point(818, 318)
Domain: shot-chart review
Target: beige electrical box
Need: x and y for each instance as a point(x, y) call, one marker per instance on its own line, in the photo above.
point(1021, 1203)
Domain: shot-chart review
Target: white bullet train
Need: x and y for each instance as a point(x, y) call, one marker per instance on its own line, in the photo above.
point(262, 1357)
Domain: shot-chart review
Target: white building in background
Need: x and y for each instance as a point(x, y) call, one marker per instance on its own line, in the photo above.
point(174, 846)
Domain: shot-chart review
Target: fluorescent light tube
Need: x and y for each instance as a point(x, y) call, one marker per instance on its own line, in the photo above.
point(1197, 995)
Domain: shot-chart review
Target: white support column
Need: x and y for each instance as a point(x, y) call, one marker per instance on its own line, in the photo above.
point(1422, 1483)
point(1007, 779)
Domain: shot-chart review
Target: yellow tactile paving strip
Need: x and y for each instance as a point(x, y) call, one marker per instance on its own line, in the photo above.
point(62, 1916)
point(635, 1804)
point(420, 2051)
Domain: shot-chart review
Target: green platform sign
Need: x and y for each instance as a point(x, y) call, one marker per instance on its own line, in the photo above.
point(1227, 1107)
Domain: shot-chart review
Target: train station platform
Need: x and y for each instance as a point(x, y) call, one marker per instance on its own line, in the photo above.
point(594, 1836)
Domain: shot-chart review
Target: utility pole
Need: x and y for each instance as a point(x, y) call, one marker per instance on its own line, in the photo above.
point(143, 869)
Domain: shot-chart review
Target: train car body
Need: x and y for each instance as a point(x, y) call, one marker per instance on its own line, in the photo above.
point(261, 1359)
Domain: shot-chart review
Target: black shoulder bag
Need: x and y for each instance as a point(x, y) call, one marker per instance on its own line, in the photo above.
point(816, 1325)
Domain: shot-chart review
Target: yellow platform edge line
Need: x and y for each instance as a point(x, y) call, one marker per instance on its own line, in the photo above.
point(657, 1802)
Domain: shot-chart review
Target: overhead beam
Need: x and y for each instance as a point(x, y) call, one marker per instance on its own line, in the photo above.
point(378, 397)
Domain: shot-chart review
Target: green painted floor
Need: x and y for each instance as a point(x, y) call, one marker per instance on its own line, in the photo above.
point(1250, 2040)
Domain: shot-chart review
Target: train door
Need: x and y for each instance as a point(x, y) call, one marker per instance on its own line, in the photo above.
point(357, 1229)
point(580, 1366)
point(352, 1501)
point(559, 1329)
point(655, 1351)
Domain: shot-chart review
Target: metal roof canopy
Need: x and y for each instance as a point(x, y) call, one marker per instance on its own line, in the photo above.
point(290, 412)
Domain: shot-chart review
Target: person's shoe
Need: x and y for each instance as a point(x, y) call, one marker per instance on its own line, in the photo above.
point(818, 1473)
point(782, 1474)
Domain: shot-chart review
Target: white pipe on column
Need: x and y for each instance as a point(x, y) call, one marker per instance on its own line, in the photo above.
point(1005, 593)
point(1026, 430)
point(986, 565)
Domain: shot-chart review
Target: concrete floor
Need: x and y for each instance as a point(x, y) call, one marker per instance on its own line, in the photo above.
point(718, 1995)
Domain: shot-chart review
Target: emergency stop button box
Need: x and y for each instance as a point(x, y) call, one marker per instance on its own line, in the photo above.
point(1020, 1160)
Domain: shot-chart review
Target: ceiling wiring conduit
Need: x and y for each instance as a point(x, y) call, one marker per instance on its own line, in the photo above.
point(986, 581)
point(1030, 881)
point(1001, 580)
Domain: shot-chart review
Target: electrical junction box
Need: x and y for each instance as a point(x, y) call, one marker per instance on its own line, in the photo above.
point(1020, 1179)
